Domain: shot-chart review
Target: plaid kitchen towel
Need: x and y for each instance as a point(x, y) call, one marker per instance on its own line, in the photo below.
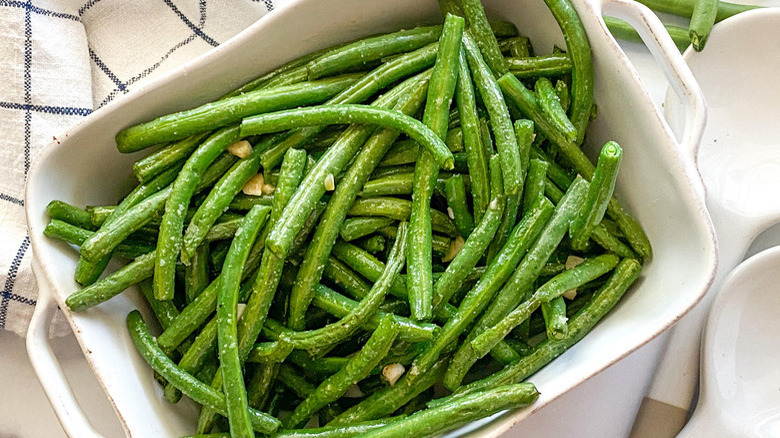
point(59, 60)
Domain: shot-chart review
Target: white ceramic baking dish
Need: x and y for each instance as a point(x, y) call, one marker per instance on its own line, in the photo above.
point(658, 182)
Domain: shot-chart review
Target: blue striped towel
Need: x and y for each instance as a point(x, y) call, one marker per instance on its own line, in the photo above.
point(59, 60)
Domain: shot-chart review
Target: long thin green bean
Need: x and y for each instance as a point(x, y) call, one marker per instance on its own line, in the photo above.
point(436, 117)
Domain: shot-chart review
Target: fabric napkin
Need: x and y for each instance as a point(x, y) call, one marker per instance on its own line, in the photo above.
point(61, 59)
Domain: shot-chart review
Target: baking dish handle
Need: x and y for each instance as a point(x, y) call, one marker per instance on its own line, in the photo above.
point(46, 366)
point(674, 68)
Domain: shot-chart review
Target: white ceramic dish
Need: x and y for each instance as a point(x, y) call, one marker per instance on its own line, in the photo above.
point(658, 183)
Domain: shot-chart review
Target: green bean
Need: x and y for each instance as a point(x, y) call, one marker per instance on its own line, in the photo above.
point(366, 265)
point(534, 183)
point(516, 288)
point(170, 236)
point(625, 273)
point(578, 49)
point(108, 236)
point(456, 199)
point(554, 314)
point(451, 415)
point(348, 113)
point(338, 206)
point(624, 31)
point(440, 244)
point(228, 111)
point(69, 214)
point(188, 384)
point(551, 107)
point(506, 141)
point(599, 194)
point(450, 7)
point(169, 156)
point(387, 400)
point(399, 209)
point(556, 64)
point(196, 275)
point(219, 198)
point(357, 227)
point(524, 132)
point(600, 235)
point(227, 328)
point(222, 231)
point(479, 27)
point(528, 269)
point(358, 368)
point(685, 8)
point(74, 235)
point(476, 153)
point(102, 290)
point(436, 117)
point(370, 49)
point(470, 254)
point(499, 270)
point(524, 99)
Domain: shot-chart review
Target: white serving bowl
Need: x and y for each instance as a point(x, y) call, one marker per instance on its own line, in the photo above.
point(658, 183)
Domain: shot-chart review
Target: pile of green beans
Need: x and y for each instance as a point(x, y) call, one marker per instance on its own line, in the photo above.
point(327, 244)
